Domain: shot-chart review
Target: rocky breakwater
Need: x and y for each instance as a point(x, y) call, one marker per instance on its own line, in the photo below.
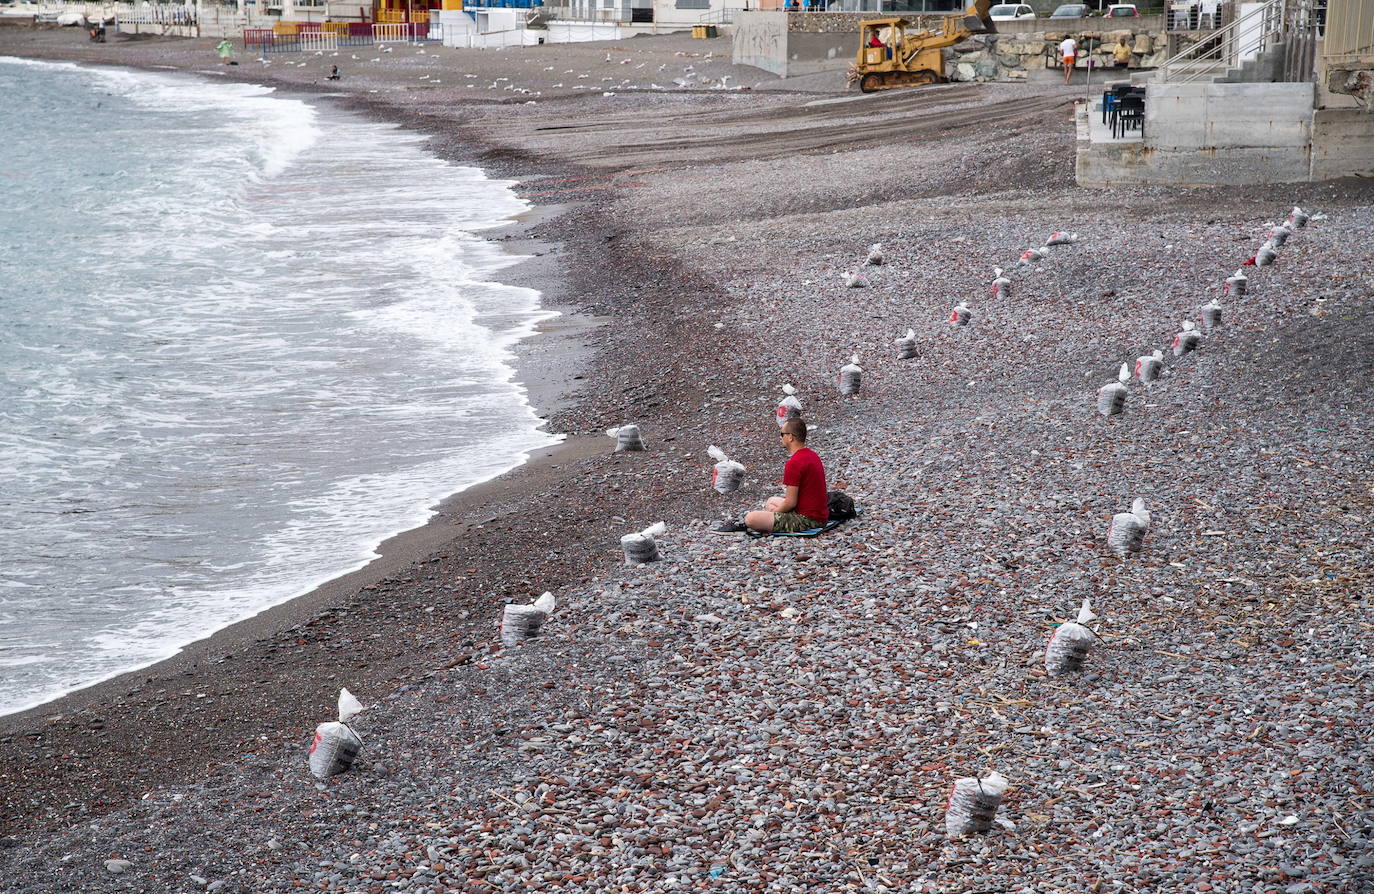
point(1011, 57)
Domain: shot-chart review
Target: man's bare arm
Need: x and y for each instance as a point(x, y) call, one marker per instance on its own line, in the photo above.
point(789, 499)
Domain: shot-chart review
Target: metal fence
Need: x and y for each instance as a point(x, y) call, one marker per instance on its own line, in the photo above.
point(307, 37)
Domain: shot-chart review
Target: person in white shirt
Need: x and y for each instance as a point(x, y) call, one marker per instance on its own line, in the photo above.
point(1068, 52)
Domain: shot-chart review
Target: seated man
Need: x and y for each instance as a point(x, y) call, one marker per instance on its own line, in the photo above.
point(805, 503)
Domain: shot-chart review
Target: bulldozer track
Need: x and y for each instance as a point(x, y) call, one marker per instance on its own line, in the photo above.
point(690, 137)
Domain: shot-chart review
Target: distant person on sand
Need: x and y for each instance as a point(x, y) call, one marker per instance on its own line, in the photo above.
point(1121, 53)
point(333, 73)
point(1068, 52)
point(225, 48)
point(804, 505)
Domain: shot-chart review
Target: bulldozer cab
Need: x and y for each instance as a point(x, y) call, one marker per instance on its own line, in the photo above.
point(880, 40)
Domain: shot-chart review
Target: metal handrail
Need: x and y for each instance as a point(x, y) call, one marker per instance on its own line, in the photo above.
point(1225, 45)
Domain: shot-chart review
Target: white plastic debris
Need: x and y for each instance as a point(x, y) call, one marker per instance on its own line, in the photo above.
point(851, 377)
point(728, 475)
point(1210, 313)
point(1001, 285)
point(973, 804)
point(1148, 367)
point(1186, 340)
point(875, 255)
point(336, 745)
point(641, 547)
point(627, 438)
point(1062, 239)
point(1111, 397)
point(522, 622)
point(906, 345)
point(1236, 283)
point(789, 407)
point(1070, 642)
point(962, 315)
point(1126, 535)
point(855, 280)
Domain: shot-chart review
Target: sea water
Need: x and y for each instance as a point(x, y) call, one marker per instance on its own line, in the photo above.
point(243, 339)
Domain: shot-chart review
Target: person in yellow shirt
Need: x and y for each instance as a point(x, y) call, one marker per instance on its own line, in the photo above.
point(1122, 53)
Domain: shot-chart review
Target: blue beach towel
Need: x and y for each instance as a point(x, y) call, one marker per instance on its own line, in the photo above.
point(811, 532)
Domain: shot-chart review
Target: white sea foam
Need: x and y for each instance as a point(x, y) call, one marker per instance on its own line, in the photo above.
point(266, 351)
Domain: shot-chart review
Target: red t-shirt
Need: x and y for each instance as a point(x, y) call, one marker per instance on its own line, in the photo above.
point(804, 470)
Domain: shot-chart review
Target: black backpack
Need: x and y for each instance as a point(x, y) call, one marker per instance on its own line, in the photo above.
point(842, 506)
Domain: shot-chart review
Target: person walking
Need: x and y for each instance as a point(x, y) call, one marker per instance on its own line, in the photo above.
point(1068, 53)
point(804, 504)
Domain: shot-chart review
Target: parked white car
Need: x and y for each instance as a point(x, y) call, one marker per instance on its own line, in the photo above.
point(1011, 12)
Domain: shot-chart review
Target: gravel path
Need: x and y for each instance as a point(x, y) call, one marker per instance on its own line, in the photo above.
point(788, 715)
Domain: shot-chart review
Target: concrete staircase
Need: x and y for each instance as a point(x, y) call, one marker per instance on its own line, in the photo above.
point(1265, 67)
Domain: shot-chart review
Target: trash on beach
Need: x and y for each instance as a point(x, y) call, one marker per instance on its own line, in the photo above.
point(973, 805)
point(789, 407)
point(1070, 642)
point(336, 745)
point(1235, 284)
point(855, 280)
point(1111, 397)
point(1126, 534)
point(961, 315)
point(875, 255)
point(522, 622)
point(1031, 255)
point(728, 475)
point(627, 438)
point(1266, 254)
point(906, 345)
point(1148, 367)
point(1279, 235)
point(851, 377)
point(1186, 341)
point(1062, 239)
point(1001, 285)
point(641, 547)
point(1210, 314)
point(1297, 218)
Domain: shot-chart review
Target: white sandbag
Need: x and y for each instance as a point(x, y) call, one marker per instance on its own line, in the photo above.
point(522, 622)
point(875, 255)
point(851, 377)
point(1210, 313)
point(1111, 397)
point(1236, 284)
point(855, 280)
point(1001, 285)
point(727, 475)
point(1266, 255)
point(1186, 341)
point(641, 547)
point(1126, 534)
point(1148, 367)
point(973, 805)
point(1062, 239)
point(1069, 644)
point(1297, 218)
point(1031, 256)
point(789, 407)
point(336, 745)
point(962, 315)
point(906, 345)
point(1279, 235)
point(627, 438)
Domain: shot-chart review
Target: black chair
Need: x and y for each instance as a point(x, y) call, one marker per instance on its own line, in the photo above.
point(1111, 95)
point(1129, 114)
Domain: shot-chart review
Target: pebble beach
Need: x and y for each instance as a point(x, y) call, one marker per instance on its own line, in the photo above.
point(789, 714)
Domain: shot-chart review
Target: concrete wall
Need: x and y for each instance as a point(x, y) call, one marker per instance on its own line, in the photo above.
point(761, 40)
point(1342, 144)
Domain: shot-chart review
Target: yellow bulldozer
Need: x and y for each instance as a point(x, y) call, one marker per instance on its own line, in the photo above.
point(890, 56)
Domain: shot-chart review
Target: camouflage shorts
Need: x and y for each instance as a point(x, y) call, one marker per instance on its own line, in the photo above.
point(793, 523)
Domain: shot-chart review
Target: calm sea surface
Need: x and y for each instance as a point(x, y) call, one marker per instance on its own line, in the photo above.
point(242, 340)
